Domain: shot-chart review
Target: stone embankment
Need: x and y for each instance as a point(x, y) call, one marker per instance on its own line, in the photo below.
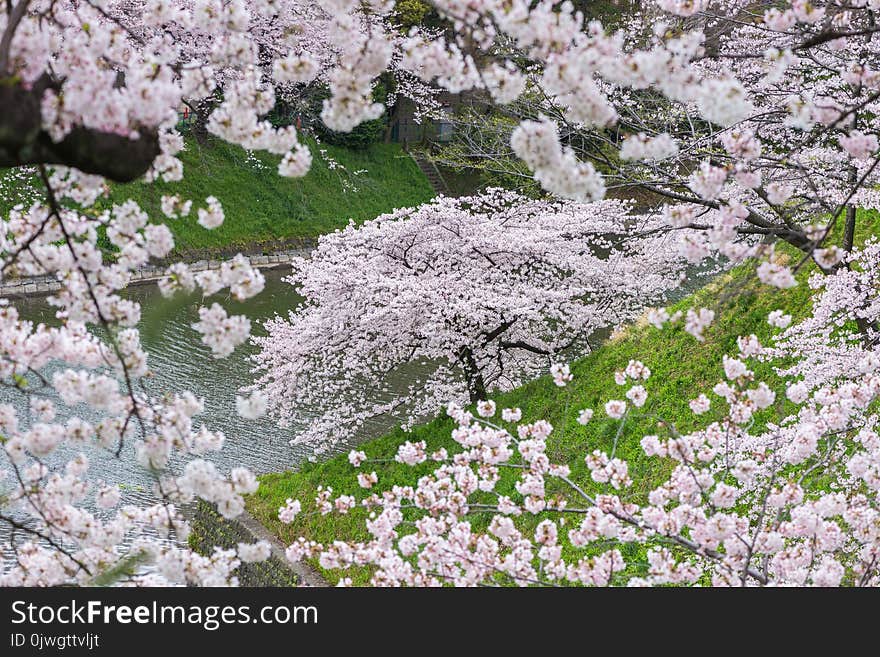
point(210, 530)
point(35, 286)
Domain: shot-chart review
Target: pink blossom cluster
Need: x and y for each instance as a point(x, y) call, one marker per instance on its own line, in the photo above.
point(65, 524)
point(736, 507)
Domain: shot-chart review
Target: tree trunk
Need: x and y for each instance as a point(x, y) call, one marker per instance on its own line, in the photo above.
point(201, 112)
point(849, 232)
point(475, 383)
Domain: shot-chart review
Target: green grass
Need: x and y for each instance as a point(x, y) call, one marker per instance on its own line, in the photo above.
point(263, 209)
point(681, 369)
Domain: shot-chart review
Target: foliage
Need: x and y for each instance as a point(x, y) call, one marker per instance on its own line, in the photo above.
point(410, 13)
point(367, 133)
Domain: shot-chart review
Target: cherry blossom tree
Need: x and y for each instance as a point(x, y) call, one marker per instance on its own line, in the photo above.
point(745, 118)
point(755, 121)
point(484, 292)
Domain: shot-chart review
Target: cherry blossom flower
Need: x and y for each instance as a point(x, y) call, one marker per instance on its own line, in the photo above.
point(779, 319)
point(251, 407)
point(700, 405)
point(615, 409)
point(212, 216)
point(585, 415)
point(697, 321)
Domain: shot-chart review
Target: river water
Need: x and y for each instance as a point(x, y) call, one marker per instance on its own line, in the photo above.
point(181, 362)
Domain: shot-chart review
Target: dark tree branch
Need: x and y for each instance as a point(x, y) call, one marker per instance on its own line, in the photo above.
point(12, 21)
point(519, 344)
point(23, 140)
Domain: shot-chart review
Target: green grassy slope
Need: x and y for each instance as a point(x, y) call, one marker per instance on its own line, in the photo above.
point(681, 369)
point(262, 208)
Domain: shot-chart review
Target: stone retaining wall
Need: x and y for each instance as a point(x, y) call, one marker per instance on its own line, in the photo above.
point(210, 529)
point(43, 285)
